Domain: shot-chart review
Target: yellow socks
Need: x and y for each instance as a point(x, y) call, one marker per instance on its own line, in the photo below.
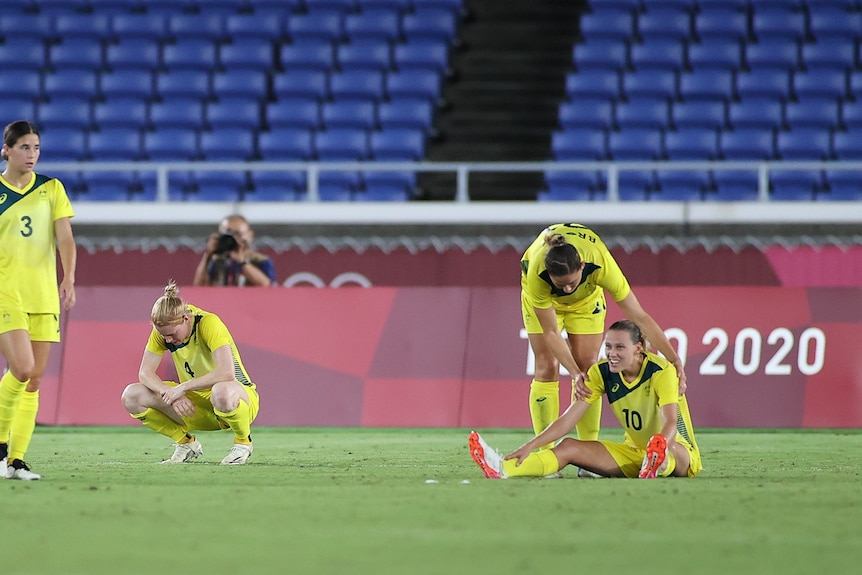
point(161, 423)
point(589, 425)
point(239, 420)
point(544, 405)
point(23, 424)
point(537, 464)
point(10, 395)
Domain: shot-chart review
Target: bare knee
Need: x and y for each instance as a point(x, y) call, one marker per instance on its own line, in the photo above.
point(547, 367)
point(135, 397)
point(225, 396)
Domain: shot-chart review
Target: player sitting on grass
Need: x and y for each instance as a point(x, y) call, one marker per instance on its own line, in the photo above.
point(215, 391)
point(643, 392)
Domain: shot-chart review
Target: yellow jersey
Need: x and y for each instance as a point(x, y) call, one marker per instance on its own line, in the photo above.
point(28, 241)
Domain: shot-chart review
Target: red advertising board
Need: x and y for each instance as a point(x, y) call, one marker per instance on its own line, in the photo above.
point(457, 357)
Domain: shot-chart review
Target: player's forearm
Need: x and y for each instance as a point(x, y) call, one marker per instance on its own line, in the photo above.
point(561, 351)
point(669, 416)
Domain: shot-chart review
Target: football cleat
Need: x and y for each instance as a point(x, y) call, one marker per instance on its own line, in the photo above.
point(488, 460)
point(656, 453)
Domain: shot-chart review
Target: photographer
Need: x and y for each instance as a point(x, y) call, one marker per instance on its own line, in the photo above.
point(228, 259)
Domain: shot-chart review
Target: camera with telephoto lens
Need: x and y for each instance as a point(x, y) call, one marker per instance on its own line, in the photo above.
point(226, 243)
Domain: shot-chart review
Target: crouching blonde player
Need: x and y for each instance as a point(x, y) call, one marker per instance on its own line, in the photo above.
point(214, 392)
point(643, 392)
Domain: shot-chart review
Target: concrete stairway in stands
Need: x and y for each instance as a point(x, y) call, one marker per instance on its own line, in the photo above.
point(502, 98)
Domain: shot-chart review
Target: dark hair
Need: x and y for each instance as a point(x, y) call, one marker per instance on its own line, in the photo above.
point(562, 257)
point(633, 330)
point(15, 131)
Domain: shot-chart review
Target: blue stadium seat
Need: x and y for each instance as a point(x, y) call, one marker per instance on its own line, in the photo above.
point(571, 186)
point(319, 24)
point(255, 53)
point(171, 144)
point(376, 193)
point(245, 26)
point(691, 144)
point(587, 144)
point(587, 112)
point(780, 53)
point(841, 186)
point(593, 83)
point(421, 84)
point(406, 113)
point(135, 53)
point(812, 144)
point(756, 112)
point(247, 83)
point(813, 112)
point(715, 53)
point(699, 114)
point(229, 112)
point(183, 84)
point(854, 85)
point(357, 84)
point(64, 144)
point(338, 185)
point(835, 55)
point(311, 53)
point(15, 106)
point(293, 113)
point(664, 22)
point(73, 181)
point(601, 54)
point(27, 83)
point(851, 115)
point(658, 53)
point(422, 54)
point(778, 22)
point(733, 186)
point(349, 114)
point(190, 54)
point(374, 23)
point(400, 5)
point(847, 145)
point(285, 144)
point(309, 84)
point(228, 142)
point(636, 144)
point(219, 186)
point(706, 84)
point(651, 83)
point(398, 144)
point(77, 54)
point(118, 143)
point(608, 22)
point(747, 144)
point(636, 185)
point(121, 111)
point(71, 82)
point(18, 55)
point(341, 145)
point(721, 21)
point(833, 23)
point(642, 113)
point(112, 186)
point(430, 23)
point(367, 54)
point(206, 26)
point(794, 185)
point(830, 83)
point(78, 25)
point(145, 26)
point(772, 83)
point(63, 112)
point(387, 186)
point(681, 185)
point(177, 112)
point(126, 82)
point(37, 26)
point(275, 186)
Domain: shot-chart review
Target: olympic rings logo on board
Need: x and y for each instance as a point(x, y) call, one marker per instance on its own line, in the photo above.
point(342, 279)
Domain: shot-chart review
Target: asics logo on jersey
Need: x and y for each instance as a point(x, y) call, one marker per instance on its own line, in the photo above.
point(2, 198)
point(615, 388)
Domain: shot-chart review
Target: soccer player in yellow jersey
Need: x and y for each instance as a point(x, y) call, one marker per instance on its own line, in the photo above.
point(643, 390)
point(214, 392)
point(35, 222)
point(564, 275)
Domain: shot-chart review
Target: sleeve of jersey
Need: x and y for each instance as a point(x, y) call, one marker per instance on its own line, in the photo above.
point(156, 343)
point(537, 293)
point(613, 279)
point(214, 332)
point(62, 205)
point(666, 386)
point(594, 383)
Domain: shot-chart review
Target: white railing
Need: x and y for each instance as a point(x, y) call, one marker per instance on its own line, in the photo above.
point(463, 210)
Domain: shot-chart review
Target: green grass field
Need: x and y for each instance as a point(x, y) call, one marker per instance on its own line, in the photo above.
point(358, 501)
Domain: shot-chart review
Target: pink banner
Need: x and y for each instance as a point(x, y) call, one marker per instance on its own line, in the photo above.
point(456, 357)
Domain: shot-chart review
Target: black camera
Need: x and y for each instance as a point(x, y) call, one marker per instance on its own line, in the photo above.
point(226, 243)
